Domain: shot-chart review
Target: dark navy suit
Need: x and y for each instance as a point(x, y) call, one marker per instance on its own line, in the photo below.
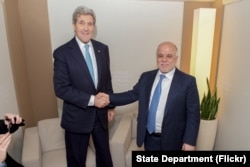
point(182, 113)
point(73, 84)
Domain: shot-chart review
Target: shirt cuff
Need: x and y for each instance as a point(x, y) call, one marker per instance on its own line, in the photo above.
point(91, 102)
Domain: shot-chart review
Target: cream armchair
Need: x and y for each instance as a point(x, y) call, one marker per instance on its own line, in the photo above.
point(124, 141)
point(44, 146)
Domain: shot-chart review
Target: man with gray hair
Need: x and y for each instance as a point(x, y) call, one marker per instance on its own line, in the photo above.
point(81, 70)
point(168, 104)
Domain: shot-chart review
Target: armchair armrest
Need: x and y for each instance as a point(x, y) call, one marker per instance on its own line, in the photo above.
point(120, 141)
point(31, 154)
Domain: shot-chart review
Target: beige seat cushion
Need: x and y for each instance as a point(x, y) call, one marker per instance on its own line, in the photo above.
point(57, 158)
point(90, 162)
point(134, 127)
point(51, 134)
point(132, 147)
point(44, 146)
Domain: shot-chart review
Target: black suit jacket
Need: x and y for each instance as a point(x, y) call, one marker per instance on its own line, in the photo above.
point(182, 113)
point(73, 84)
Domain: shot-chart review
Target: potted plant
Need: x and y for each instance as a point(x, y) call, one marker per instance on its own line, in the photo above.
point(208, 124)
point(209, 104)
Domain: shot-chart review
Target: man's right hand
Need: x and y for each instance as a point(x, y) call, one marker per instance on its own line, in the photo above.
point(101, 100)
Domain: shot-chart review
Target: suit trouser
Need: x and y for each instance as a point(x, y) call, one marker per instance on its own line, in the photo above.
point(77, 146)
point(152, 142)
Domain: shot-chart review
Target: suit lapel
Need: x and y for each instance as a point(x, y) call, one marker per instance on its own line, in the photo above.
point(175, 86)
point(149, 84)
point(77, 54)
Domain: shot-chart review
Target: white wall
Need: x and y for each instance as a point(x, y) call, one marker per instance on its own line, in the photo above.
point(8, 102)
point(131, 28)
point(141, 25)
point(234, 79)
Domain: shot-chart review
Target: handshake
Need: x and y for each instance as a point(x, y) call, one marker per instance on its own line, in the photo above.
point(101, 100)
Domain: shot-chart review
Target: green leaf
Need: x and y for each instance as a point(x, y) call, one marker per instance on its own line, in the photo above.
point(209, 104)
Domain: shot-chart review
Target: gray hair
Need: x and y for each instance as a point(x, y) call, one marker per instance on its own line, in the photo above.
point(82, 10)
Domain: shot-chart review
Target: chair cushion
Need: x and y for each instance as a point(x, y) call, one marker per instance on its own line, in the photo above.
point(132, 147)
point(90, 162)
point(91, 143)
point(134, 125)
point(31, 153)
point(56, 158)
point(51, 134)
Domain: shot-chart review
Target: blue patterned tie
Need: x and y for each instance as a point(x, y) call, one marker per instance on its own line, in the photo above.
point(154, 105)
point(89, 62)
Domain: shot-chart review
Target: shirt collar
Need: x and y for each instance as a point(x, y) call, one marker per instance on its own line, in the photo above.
point(81, 44)
point(169, 75)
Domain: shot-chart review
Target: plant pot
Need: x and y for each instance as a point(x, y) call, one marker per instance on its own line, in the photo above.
point(206, 135)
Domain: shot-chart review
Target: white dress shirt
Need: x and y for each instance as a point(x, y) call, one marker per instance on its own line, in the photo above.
point(166, 83)
point(93, 59)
